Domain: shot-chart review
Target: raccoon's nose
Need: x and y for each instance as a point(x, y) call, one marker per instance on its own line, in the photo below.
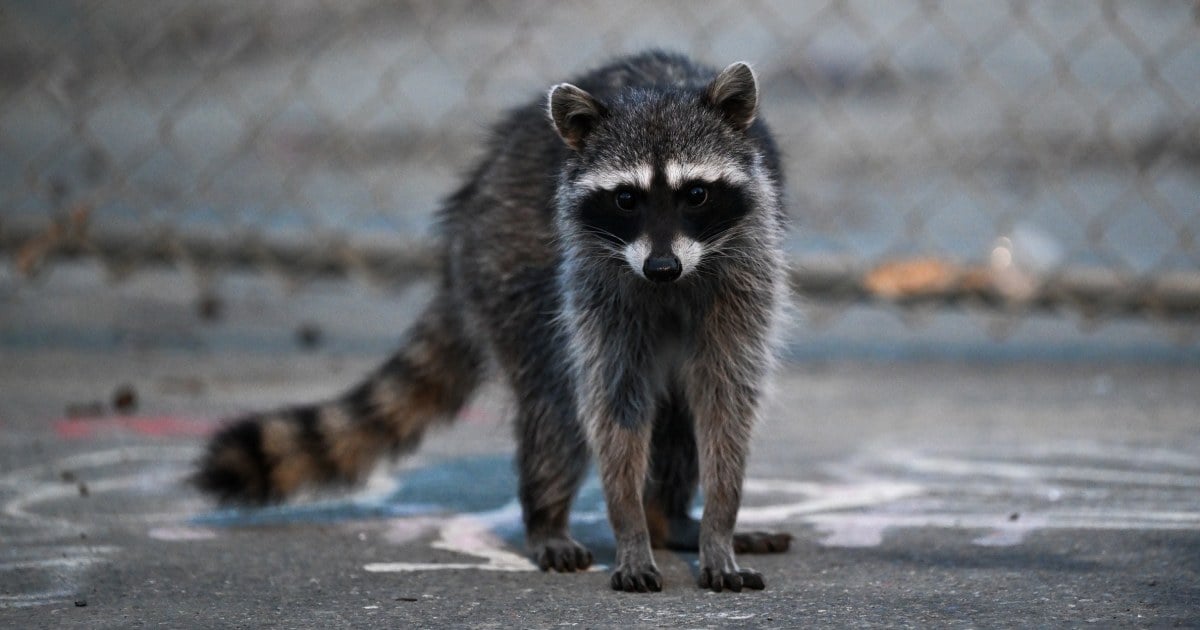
point(662, 268)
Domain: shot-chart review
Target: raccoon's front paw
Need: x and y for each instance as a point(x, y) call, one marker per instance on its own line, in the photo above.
point(562, 554)
point(719, 571)
point(637, 578)
point(732, 580)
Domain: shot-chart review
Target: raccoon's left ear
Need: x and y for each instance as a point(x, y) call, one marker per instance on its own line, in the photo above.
point(574, 113)
point(734, 93)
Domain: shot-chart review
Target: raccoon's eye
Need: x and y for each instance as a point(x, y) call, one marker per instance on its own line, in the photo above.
point(625, 199)
point(696, 196)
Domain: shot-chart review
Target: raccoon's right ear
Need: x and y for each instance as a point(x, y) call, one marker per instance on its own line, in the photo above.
point(574, 113)
point(735, 94)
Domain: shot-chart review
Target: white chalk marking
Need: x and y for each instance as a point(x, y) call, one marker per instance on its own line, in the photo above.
point(1025, 472)
point(1117, 452)
point(823, 498)
point(19, 507)
point(97, 459)
point(956, 493)
point(65, 567)
point(182, 532)
point(468, 535)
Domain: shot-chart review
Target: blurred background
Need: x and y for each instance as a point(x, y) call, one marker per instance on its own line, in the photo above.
point(985, 180)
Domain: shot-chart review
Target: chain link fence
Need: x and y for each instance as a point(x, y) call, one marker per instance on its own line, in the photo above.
point(1014, 156)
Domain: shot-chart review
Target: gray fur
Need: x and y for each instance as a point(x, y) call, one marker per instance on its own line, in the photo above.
point(660, 381)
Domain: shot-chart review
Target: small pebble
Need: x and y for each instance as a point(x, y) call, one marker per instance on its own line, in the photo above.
point(210, 307)
point(124, 399)
point(308, 335)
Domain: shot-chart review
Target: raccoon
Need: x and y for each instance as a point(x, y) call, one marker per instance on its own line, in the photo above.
point(615, 258)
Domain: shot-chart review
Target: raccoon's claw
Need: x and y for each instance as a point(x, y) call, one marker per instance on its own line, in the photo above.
point(761, 542)
point(563, 555)
point(732, 580)
point(640, 580)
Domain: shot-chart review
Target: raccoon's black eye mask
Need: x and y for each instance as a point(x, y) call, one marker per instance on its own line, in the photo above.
point(722, 207)
point(700, 210)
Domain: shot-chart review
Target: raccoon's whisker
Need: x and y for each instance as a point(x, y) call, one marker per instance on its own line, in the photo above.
point(604, 248)
point(722, 228)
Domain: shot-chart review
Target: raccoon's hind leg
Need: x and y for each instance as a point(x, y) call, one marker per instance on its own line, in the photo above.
point(671, 486)
point(267, 457)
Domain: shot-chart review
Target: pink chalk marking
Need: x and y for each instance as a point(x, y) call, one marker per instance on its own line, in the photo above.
point(153, 426)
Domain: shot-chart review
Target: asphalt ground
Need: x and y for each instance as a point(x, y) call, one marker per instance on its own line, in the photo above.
point(920, 493)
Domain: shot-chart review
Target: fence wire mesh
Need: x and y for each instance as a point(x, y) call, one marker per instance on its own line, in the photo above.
point(1009, 155)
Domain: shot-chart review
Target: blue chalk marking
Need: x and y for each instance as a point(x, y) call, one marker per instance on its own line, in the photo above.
point(475, 485)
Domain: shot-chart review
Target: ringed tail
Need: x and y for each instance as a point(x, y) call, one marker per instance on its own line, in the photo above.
point(267, 457)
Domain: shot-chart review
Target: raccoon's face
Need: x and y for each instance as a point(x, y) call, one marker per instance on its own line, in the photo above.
point(660, 179)
point(662, 220)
